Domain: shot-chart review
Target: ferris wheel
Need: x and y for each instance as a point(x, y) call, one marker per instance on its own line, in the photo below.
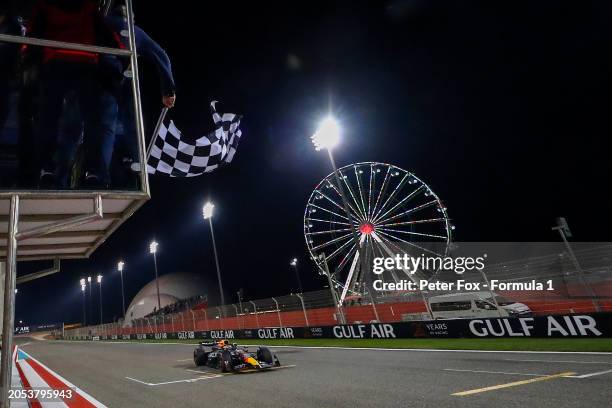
point(391, 212)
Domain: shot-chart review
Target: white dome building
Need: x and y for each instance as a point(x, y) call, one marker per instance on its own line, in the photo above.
point(172, 288)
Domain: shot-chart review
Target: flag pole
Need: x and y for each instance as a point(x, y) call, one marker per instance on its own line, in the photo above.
point(162, 116)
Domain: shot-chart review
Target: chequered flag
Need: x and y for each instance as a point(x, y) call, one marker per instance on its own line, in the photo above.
point(177, 156)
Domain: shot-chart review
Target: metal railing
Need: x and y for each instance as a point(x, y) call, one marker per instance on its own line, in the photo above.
point(314, 309)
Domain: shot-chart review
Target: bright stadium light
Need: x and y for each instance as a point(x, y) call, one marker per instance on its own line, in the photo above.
point(207, 213)
point(89, 279)
point(120, 265)
point(327, 135)
point(16, 290)
point(83, 286)
point(207, 210)
point(294, 263)
point(82, 282)
point(99, 280)
point(153, 250)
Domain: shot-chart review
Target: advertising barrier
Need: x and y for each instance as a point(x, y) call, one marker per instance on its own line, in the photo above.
point(557, 326)
point(33, 328)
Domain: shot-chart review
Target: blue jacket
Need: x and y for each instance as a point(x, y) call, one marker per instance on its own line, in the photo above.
point(147, 48)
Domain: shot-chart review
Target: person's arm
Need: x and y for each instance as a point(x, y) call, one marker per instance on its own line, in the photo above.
point(151, 51)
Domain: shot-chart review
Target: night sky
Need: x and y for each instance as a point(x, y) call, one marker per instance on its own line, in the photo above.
point(501, 107)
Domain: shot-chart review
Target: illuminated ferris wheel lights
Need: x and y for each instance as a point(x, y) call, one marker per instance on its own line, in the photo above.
point(395, 198)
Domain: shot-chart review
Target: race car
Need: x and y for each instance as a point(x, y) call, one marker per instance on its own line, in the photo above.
point(229, 357)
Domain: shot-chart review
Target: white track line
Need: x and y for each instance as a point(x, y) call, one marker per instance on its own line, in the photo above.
point(196, 371)
point(187, 380)
point(492, 372)
point(138, 381)
point(528, 374)
point(561, 361)
point(602, 353)
point(591, 374)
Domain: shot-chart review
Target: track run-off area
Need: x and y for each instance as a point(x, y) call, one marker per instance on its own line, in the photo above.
point(123, 374)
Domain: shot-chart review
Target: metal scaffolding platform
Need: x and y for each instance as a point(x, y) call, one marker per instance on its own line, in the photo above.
point(39, 225)
point(40, 212)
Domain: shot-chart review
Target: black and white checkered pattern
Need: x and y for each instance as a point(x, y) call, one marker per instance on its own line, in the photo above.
point(175, 155)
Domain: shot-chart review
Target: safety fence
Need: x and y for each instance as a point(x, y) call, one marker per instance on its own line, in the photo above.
point(316, 309)
point(571, 283)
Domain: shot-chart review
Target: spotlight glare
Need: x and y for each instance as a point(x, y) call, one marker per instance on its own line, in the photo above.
point(327, 135)
point(207, 210)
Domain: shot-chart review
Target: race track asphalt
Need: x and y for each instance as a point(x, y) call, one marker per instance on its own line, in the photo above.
point(153, 374)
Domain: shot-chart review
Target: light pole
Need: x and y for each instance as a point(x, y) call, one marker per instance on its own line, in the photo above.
point(207, 213)
point(83, 286)
point(153, 249)
point(563, 228)
point(332, 289)
point(120, 265)
point(90, 299)
point(99, 280)
point(327, 137)
point(239, 293)
point(294, 263)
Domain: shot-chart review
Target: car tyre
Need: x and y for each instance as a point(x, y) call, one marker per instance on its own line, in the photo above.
point(199, 357)
point(225, 362)
point(265, 355)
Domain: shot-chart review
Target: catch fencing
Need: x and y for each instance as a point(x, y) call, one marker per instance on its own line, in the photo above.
point(579, 287)
point(315, 309)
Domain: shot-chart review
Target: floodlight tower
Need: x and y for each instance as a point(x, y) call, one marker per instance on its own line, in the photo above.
point(83, 287)
point(294, 263)
point(327, 137)
point(99, 280)
point(207, 213)
point(90, 299)
point(565, 233)
point(153, 250)
point(120, 266)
